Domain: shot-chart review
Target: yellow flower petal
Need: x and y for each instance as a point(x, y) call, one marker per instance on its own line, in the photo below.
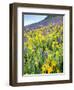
point(50, 69)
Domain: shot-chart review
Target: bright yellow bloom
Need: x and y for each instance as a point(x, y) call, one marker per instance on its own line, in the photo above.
point(50, 69)
point(40, 35)
point(55, 37)
point(36, 38)
point(45, 67)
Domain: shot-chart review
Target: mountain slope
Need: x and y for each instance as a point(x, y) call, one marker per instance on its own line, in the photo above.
point(49, 19)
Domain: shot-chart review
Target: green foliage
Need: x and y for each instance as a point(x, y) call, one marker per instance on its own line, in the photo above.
point(44, 50)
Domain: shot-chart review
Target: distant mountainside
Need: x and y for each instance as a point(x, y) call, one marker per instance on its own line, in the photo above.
point(49, 19)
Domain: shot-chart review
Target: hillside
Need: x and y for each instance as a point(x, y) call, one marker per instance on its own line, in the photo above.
point(49, 19)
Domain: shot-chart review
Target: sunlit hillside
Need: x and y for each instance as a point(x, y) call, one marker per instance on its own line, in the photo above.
point(43, 46)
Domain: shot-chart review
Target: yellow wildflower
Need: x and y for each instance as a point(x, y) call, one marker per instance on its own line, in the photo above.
point(56, 43)
point(29, 38)
point(58, 71)
point(50, 56)
point(46, 48)
point(55, 37)
point(50, 69)
point(36, 37)
point(47, 61)
point(53, 63)
point(53, 46)
point(30, 46)
point(42, 37)
point(43, 69)
point(36, 63)
point(57, 53)
point(46, 65)
point(57, 46)
point(53, 43)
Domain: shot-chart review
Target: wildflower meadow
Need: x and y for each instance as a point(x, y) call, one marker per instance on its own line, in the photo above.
point(43, 50)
